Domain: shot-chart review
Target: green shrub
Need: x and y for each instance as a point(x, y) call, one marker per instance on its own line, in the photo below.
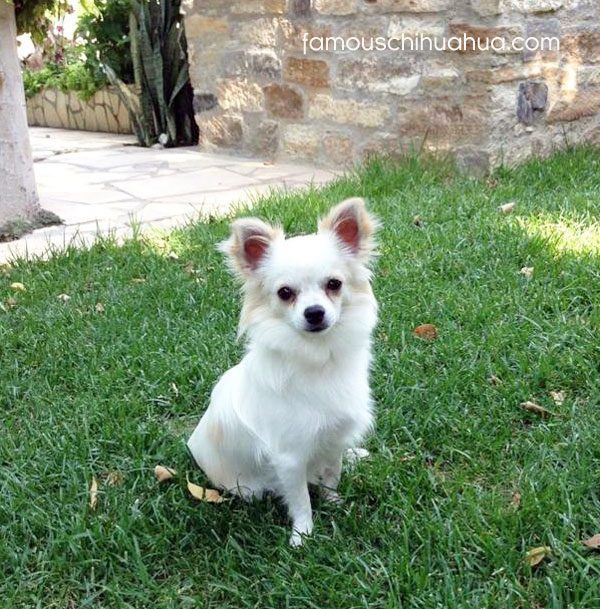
point(105, 29)
point(72, 75)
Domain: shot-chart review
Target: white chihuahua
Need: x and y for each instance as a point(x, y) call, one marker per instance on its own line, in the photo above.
point(283, 417)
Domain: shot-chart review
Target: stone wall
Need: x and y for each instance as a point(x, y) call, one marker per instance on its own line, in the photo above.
point(257, 93)
point(104, 111)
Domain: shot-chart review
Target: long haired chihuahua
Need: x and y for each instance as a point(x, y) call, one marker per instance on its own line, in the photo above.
point(283, 417)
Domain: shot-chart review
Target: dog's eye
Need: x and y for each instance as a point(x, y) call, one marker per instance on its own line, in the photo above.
point(334, 285)
point(285, 293)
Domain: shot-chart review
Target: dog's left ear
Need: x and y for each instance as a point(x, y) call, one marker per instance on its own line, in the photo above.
point(353, 227)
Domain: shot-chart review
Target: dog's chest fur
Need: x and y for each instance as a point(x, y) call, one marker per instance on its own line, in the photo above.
point(295, 405)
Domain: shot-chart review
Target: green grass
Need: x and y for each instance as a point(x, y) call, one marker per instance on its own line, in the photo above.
point(428, 520)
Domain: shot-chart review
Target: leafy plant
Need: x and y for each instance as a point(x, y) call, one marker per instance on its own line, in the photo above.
point(161, 69)
point(33, 16)
point(104, 26)
point(71, 75)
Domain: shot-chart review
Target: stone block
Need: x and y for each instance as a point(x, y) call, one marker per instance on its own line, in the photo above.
point(339, 149)
point(411, 26)
point(486, 8)
point(300, 8)
point(204, 66)
point(583, 104)
point(335, 7)
point(348, 111)
point(263, 63)
point(494, 76)
point(206, 30)
point(446, 122)
point(366, 27)
point(240, 95)
point(301, 141)
point(101, 117)
point(225, 131)
point(263, 139)
point(582, 46)
point(588, 76)
point(258, 7)
point(311, 72)
point(473, 161)
point(530, 6)
point(406, 6)
point(381, 144)
point(444, 80)
point(283, 101)
point(378, 73)
point(531, 97)
point(541, 29)
point(485, 39)
point(260, 32)
point(315, 35)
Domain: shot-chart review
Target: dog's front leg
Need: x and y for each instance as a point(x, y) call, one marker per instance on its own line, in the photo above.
point(294, 485)
point(329, 478)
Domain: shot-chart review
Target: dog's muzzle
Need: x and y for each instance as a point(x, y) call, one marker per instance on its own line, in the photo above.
point(315, 316)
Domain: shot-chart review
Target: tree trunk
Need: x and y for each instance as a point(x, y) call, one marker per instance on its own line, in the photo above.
point(18, 192)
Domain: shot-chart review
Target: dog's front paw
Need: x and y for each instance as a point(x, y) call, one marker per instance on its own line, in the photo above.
point(331, 496)
point(353, 455)
point(299, 533)
point(296, 540)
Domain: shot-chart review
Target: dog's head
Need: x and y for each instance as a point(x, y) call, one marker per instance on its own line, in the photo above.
point(309, 284)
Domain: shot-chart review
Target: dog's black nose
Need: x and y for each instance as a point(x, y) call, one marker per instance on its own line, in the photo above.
point(314, 315)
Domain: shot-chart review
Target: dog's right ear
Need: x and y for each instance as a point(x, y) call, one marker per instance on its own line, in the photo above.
point(248, 245)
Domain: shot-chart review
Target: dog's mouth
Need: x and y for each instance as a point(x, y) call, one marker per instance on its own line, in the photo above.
point(318, 328)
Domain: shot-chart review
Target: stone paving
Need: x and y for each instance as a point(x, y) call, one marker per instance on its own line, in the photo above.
point(100, 183)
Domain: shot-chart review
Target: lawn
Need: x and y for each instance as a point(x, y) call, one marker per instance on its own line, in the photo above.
point(462, 481)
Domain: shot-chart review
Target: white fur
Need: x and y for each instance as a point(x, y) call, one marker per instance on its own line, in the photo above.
point(283, 417)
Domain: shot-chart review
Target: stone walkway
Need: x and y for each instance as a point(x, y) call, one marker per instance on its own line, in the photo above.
point(99, 183)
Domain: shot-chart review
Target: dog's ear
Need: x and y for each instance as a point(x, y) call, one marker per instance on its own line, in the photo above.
point(353, 227)
point(248, 244)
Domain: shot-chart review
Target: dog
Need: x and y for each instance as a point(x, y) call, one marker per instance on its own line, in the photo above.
point(285, 415)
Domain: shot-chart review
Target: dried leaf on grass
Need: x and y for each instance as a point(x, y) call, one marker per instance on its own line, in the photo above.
point(507, 208)
point(17, 286)
point(114, 478)
point(527, 271)
point(163, 473)
point(93, 493)
point(593, 543)
point(204, 494)
point(558, 397)
point(99, 308)
point(515, 500)
point(536, 555)
point(494, 380)
point(426, 332)
point(536, 409)
point(64, 297)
